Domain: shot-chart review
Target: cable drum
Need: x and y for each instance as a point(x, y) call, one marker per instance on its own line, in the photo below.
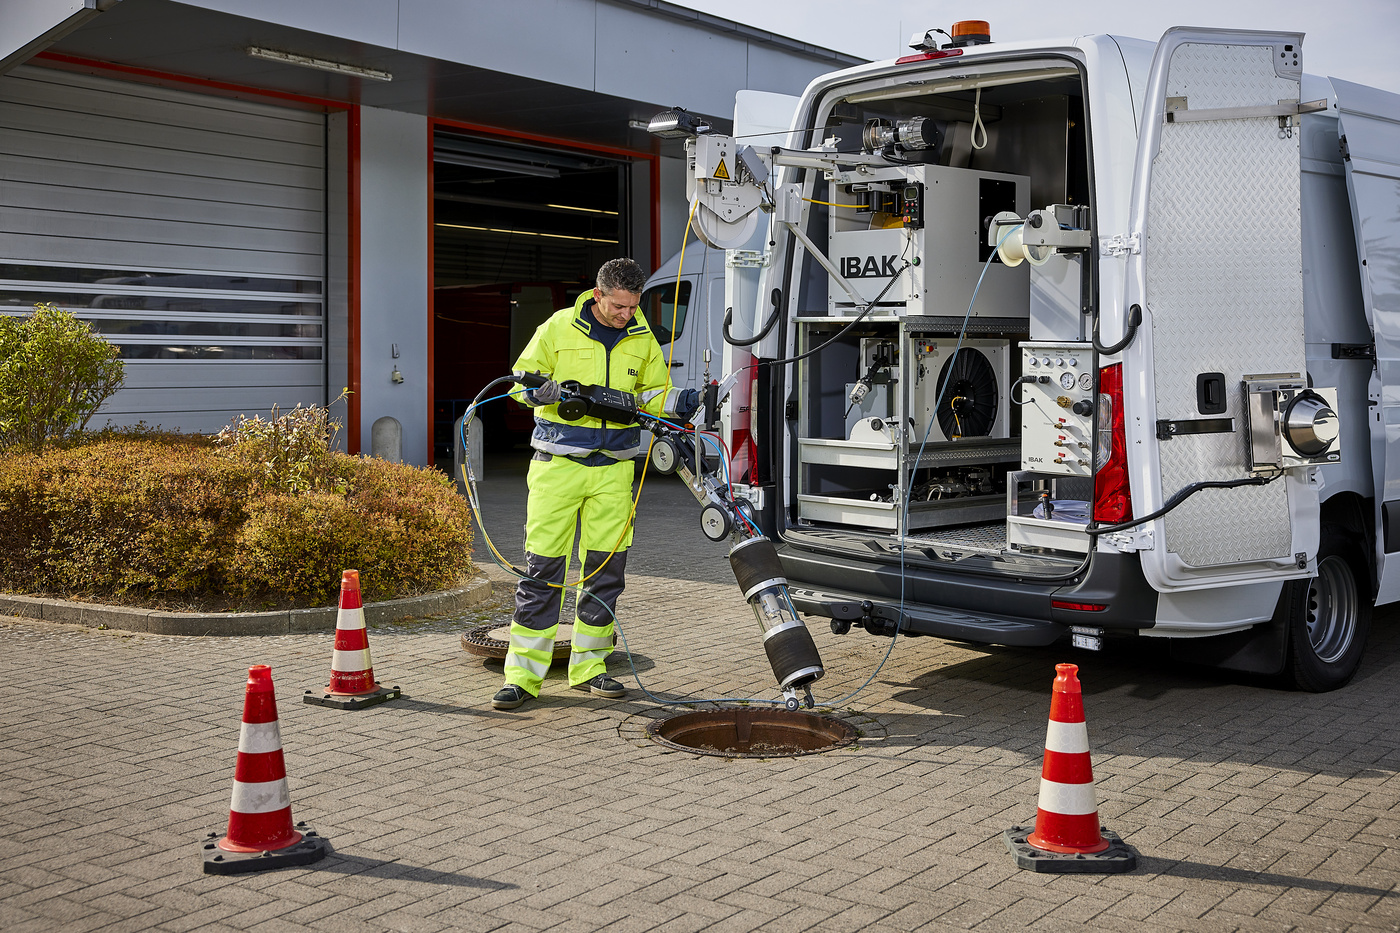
point(968, 407)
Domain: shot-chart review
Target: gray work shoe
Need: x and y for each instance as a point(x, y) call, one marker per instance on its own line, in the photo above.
point(509, 697)
point(603, 686)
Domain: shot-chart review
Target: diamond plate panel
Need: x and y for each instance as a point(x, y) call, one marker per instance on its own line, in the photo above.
point(1222, 255)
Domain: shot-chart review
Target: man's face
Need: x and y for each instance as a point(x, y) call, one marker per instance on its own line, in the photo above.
point(616, 309)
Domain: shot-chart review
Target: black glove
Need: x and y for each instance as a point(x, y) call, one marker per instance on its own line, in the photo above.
point(546, 394)
point(688, 403)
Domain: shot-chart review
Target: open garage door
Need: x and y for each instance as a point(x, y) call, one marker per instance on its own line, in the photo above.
point(188, 229)
point(519, 230)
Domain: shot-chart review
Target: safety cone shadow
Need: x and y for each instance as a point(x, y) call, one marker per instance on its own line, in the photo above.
point(352, 684)
point(1067, 837)
point(260, 831)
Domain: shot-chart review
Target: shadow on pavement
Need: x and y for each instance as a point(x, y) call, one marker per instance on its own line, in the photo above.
point(1203, 872)
point(341, 863)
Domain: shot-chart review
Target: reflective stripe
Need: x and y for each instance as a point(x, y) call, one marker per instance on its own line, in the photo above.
point(1069, 799)
point(544, 644)
point(350, 662)
point(581, 642)
point(528, 664)
point(259, 737)
point(1068, 737)
point(350, 619)
point(264, 797)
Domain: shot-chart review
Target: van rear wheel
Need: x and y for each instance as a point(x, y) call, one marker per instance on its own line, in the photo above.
point(1329, 618)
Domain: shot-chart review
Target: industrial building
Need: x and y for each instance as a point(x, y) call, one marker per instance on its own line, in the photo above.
point(262, 203)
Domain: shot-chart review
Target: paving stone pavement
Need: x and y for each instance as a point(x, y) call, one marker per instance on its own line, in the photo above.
point(1253, 809)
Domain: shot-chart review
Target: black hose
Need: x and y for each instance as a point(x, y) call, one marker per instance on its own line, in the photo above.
point(1180, 496)
point(1134, 319)
point(776, 298)
point(854, 321)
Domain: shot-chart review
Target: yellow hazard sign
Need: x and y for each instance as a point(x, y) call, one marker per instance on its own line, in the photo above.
point(722, 172)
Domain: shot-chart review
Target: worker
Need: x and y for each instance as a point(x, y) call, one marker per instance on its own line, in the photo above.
point(581, 474)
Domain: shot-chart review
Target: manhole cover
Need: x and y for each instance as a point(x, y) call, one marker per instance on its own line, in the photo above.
point(751, 733)
point(493, 640)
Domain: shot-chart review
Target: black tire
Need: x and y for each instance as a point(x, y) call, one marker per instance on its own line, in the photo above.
point(1329, 616)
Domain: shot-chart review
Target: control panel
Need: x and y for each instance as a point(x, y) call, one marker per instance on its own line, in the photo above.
point(1056, 396)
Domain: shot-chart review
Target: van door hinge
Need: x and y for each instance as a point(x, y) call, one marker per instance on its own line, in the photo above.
point(1129, 540)
point(790, 410)
point(1353, 351)
point(1118, 244)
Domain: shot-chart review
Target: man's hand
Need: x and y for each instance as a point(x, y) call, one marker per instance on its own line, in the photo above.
point(546, 394)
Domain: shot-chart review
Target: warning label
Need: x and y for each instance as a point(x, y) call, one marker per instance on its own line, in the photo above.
point(721, 171)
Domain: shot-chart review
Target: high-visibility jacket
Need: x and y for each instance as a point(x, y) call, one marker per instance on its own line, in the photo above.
point(566, 347)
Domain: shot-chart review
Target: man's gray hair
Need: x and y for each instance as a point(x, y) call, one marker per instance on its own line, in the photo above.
point(623, 274)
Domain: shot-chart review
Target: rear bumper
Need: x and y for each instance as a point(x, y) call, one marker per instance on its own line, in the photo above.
point(993, 609)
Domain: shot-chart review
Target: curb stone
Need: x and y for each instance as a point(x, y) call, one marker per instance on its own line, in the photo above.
point(279, 622)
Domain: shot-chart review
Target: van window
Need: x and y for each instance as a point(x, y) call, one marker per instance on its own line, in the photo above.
point(659, 306)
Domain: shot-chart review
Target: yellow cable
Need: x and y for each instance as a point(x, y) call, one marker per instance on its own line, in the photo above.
point(854, 207)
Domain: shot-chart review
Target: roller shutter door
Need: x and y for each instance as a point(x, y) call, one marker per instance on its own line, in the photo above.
point(189, 229)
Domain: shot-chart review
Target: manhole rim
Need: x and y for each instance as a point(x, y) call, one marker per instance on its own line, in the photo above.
point(849, 734)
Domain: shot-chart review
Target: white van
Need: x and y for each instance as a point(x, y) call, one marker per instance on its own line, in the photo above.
point(690, 327)
point(1077, 339)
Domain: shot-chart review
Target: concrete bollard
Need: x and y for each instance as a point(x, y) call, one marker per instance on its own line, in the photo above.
point(386, 439)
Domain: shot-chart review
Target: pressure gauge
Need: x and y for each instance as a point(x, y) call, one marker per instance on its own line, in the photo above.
point(714, 522)
point(664, 456)
point(1086, 381)
point(1067, 380)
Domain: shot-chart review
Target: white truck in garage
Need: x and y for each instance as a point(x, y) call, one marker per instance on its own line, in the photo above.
point(1073, 340)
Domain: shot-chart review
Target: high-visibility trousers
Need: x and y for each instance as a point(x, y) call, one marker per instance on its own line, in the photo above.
point(565, 494)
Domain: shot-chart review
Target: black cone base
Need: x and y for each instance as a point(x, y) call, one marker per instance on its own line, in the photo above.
point(312, 848)
point(352, 700)
point(1118, 857)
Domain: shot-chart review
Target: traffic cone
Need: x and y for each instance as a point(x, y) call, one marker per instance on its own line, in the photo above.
point(352, 684)
point(260, 831)
point(1067, 835)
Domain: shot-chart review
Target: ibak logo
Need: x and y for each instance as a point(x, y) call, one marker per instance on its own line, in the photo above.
point(868, 267)
point(631, 372)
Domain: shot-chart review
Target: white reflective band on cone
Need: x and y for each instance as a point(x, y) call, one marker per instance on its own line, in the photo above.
point(1067, 799)
point(350, 618)
point(1070, 738)
point(350, 662)
point(264, 797)
point(259, 737)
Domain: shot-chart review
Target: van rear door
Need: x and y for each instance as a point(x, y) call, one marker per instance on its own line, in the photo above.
point(1369, 127)
point(1215, 264)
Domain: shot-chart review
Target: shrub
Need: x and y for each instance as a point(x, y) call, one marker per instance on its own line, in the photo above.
point(292, 452)
point(168, 518)
point(54, 375)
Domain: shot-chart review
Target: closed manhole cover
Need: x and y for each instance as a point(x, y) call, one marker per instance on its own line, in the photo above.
point(493, 640)
point(751, 733)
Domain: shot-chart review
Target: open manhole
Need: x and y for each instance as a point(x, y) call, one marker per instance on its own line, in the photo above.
point(751, 733)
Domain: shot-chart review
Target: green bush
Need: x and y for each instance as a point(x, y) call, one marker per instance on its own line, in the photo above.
point(170, 519)
point(54, 375)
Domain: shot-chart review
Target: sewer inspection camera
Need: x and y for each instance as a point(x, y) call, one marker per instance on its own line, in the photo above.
point(791, 651)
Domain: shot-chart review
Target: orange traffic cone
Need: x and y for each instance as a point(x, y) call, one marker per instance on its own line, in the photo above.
point(1067, 835)
point(352, 684)
point(260, 831)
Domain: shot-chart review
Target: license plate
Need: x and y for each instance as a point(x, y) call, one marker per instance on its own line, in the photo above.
point(1091, 642)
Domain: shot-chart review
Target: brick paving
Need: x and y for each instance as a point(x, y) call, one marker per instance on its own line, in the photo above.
point(1253, 809)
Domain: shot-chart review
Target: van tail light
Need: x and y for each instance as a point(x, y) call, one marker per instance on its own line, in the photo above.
point(743, 452)
point(1113, 501)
